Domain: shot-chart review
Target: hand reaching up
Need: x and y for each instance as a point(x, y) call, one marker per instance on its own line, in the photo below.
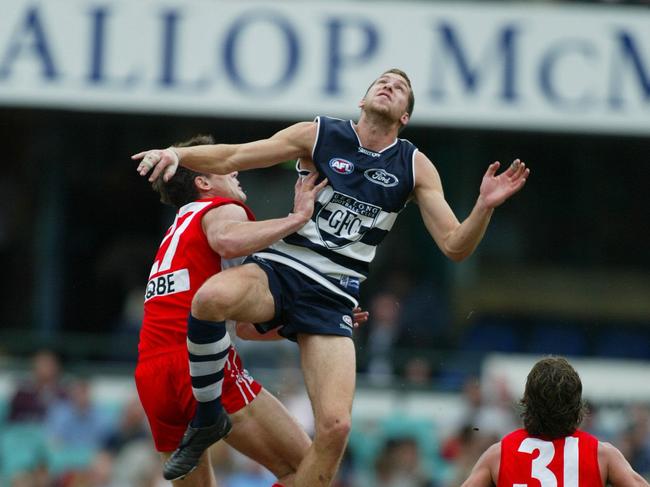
point(496, 189)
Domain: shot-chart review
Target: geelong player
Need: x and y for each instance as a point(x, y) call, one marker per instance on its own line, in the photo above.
point(212, 230)
point(308, 282)
point(550, 450)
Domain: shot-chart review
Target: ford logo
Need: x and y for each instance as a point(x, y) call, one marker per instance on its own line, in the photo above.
point(381, 177)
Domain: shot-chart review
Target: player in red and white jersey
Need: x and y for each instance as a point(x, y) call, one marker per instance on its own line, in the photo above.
point(185, 259)
point(550, 451)
point(213, 229)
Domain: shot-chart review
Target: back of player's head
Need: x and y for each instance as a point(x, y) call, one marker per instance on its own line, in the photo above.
point(180, 189)
point(552, 402)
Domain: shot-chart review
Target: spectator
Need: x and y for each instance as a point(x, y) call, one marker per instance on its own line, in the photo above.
point(489, 409)
point(399, 465)
point(635, 441)
point(130, 449)
point(417, 372)
point(469, 444)
point(132, 427)
point(480, 423)
point(383, 331)
point(76, 422)
point(33, 397)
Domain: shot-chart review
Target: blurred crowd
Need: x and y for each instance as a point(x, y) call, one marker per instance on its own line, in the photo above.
point(412, 338)
point(56, 434)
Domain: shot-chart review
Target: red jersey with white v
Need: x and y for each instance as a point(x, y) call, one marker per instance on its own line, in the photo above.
point(528, 461)
point(184, 261)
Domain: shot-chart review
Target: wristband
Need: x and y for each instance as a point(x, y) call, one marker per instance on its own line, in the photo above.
point(173, 150)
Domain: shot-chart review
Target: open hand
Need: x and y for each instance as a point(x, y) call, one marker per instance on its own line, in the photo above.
point(496, 189)
point(306, 192)
point(162, 161)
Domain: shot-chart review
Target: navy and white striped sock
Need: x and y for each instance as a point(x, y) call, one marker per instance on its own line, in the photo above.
point(208, 344)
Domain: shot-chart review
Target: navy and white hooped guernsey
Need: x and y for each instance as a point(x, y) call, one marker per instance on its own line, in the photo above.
point(354, 213)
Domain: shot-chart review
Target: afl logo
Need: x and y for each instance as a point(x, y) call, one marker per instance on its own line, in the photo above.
point(381, 177)
point(341, 166)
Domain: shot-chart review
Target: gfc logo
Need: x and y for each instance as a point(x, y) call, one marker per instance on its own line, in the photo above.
point(343, 220)
point(341, 166)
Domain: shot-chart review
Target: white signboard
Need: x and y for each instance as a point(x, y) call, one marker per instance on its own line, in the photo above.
point(549, 67)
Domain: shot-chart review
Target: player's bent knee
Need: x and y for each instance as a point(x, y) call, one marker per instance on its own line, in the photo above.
point(211, 301)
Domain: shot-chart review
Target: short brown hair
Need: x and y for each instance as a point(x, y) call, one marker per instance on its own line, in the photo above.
point(399, 72)
point(552, 402)
point(180, 189)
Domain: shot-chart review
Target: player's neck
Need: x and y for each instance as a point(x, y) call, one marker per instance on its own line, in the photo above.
point(376, 133)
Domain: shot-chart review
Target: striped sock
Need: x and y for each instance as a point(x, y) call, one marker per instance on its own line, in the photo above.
point(208, 344)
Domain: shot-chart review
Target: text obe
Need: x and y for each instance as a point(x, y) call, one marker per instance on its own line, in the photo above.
point(170, 283)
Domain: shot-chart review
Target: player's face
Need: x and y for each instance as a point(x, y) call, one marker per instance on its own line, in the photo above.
point(227, 186)
point(389, 96)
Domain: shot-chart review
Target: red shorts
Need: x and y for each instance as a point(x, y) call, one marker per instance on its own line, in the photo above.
point(165, 390)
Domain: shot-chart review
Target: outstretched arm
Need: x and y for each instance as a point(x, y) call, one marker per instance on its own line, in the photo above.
point(486, 471)
point(291, 143)
point(231, 234)
point(619, 471)
point(458, 240)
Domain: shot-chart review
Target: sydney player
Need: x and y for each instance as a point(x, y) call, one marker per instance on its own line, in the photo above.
point(308, 283)
point(550, 450)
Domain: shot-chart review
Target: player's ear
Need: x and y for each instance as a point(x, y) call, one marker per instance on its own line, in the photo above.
point(362, 102)
point(404, 119)
point(202, 183)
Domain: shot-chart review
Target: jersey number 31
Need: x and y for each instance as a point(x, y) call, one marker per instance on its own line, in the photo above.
point(540, 470)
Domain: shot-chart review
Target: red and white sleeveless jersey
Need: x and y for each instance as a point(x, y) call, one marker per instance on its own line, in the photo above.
point(528, 461)
point(184, 261)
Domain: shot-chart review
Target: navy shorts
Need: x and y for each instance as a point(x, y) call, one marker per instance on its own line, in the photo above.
point(302, 305)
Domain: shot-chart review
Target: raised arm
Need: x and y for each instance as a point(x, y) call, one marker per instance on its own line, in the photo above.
point(619, 472)
point(231, 234)
point(486, 471)
point(291, 143)
point(459, 240)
